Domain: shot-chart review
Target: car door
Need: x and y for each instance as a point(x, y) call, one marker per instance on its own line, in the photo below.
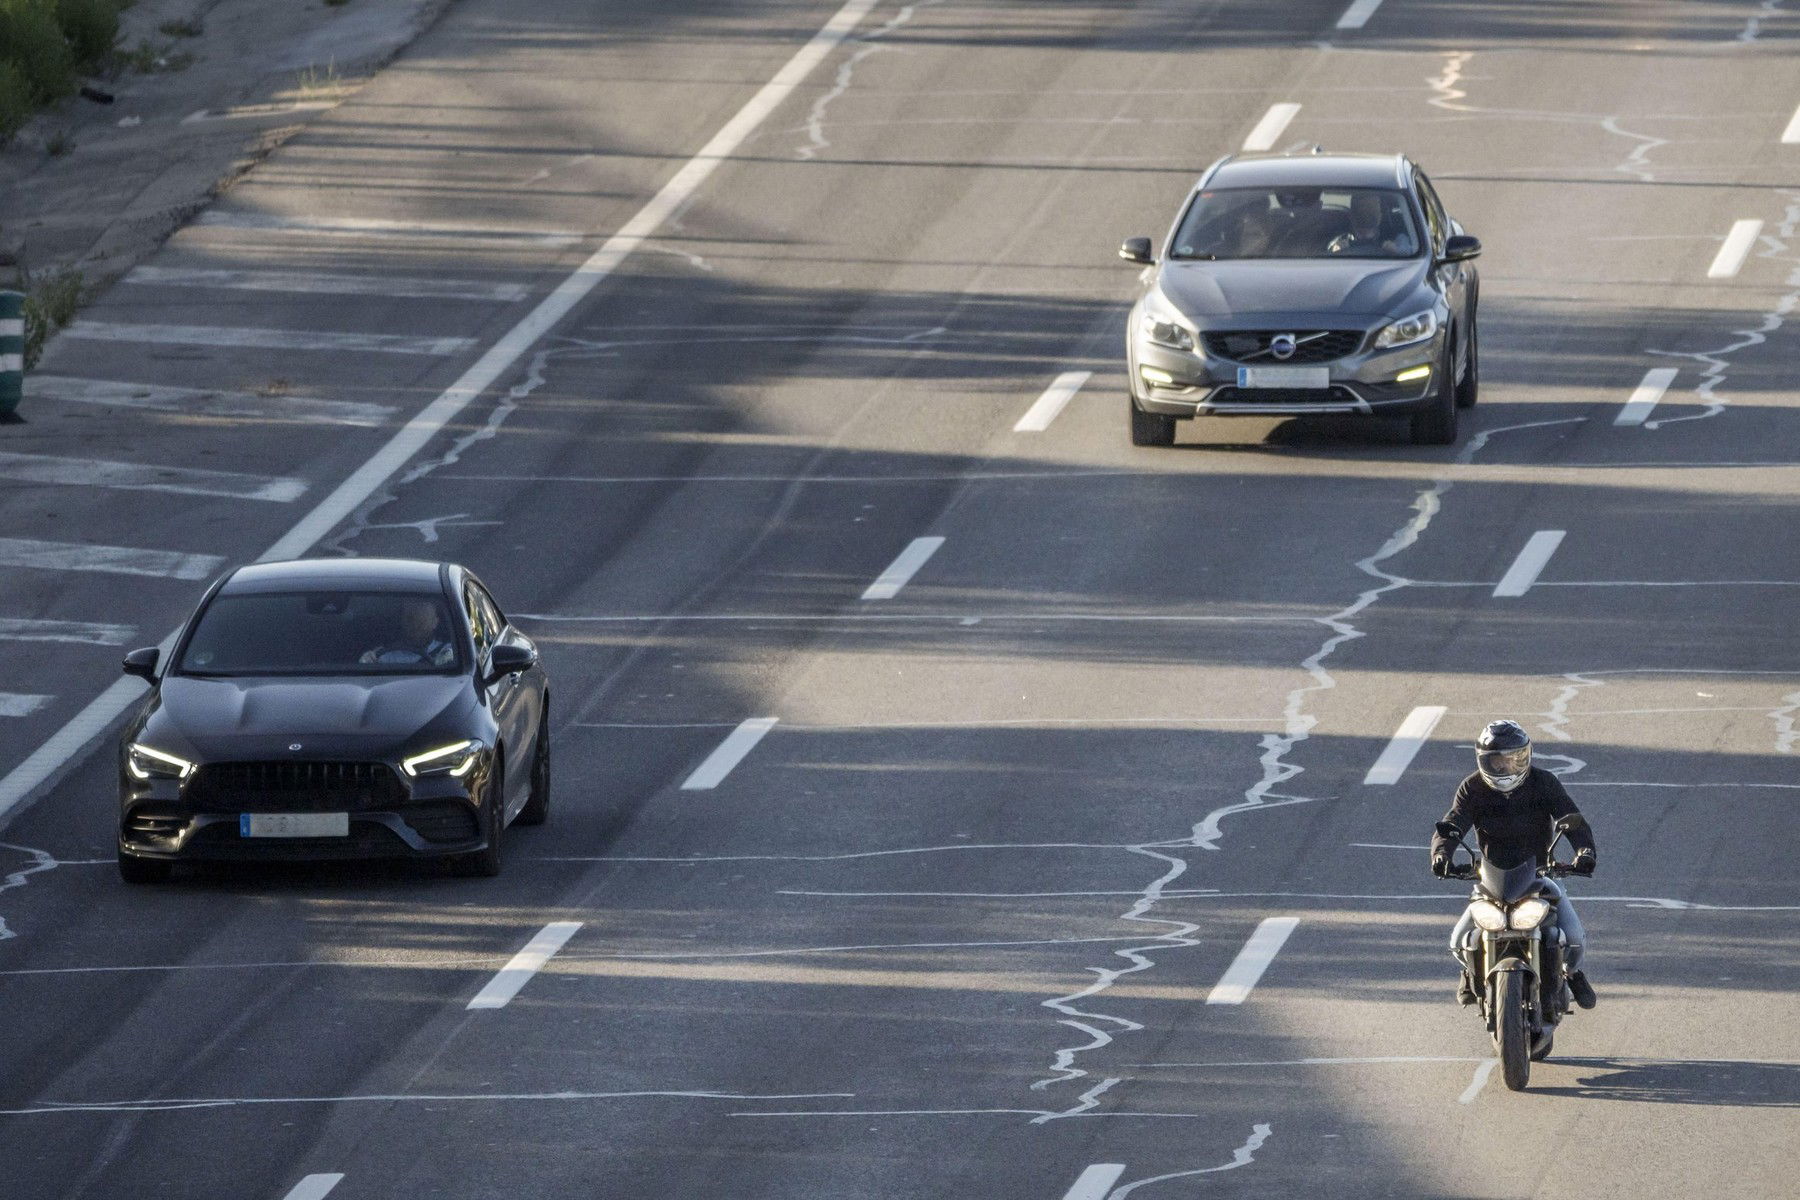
point(1452, 278)
point(514, 699)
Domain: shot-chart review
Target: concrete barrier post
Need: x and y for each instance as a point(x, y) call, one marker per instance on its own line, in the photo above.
point(12, 351)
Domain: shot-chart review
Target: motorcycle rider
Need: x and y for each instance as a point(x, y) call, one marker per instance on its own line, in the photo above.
point(1513, 808)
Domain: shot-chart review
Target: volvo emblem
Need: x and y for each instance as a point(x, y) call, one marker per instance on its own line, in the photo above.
point(294, 746)
point(1282, 345)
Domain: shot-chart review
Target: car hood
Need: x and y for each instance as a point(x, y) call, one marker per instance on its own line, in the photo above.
point(254, 717)
point(1210, 291)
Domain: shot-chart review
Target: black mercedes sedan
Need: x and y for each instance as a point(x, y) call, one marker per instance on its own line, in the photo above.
point(335, 708)
point(1302, 284)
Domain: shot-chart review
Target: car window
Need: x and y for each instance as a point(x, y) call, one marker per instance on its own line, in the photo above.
point(491, 615)
point(323, 633)
point(1434, 213)
point(480, 627)
point(1297, 222)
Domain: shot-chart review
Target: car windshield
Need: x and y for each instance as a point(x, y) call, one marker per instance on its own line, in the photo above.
point(1297, 222)
point(324, 633)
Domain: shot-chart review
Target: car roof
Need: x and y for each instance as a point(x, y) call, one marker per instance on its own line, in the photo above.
point(362, 574)
point(1309, 170)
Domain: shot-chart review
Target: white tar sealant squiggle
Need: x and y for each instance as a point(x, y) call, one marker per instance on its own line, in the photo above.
point(40, 861)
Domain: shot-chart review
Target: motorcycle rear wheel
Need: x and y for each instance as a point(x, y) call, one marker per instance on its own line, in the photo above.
point(1511, 1037)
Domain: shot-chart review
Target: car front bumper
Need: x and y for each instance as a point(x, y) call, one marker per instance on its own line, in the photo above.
point(1182, 383)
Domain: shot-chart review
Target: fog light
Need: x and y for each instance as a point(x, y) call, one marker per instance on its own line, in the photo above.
point(1412, 373)
point(1152, 375)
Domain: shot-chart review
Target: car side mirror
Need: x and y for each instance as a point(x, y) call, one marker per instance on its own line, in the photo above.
point(509, 658)
point(1137, 250)
point(1461, 247)
point(142, 663)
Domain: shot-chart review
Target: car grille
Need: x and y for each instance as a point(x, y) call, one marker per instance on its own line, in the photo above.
point(1252, 345)
point(1281, 396)
point(295, 787)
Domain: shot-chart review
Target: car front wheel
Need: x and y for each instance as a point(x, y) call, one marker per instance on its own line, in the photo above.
point(1469, 386)
point(485, 862)
point(1435, 424)
point(537, 807)
point(1150, 429)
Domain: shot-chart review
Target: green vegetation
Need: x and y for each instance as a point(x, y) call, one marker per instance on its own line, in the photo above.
point(45, 45)
point(50, 303)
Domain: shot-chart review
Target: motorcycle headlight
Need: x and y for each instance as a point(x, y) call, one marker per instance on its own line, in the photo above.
point(1529, 914)
point(1407, 330)
point(1162, 326)
point(1488, 915)
point(455, 759)
point(146, 763)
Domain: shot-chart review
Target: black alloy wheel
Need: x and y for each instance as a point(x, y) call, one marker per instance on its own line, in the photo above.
point(1435, 424)
point(485, 863)
point(537, 806)
point(1469, 386)
point(1150, 429)
point(135, 870)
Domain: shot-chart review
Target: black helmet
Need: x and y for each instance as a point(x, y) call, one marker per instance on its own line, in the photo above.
point(1503, 755)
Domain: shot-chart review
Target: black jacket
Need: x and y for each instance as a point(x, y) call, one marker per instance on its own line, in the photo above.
point(1512, 826)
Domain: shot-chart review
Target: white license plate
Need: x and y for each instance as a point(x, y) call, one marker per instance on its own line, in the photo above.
point(1284, 377)
point(294, 825)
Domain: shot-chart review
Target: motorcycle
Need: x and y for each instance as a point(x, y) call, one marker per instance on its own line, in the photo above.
point(1519, 955)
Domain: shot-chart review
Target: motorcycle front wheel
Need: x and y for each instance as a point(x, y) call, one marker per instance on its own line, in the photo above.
point(1511, 1037)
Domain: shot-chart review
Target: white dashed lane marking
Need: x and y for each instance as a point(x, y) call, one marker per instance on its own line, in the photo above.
point(1648, 394)
point(1358, 14)
point(277, 406)
point(12, 704)
point(1272, 126)
point(1530, 564)
point(365, 227)
point(730, 752)
point(1405, 745)
point(319, 283)
point(23, 629)
point(1037, 418)
point(1095, 1182)
point(1247, 968)
point(336, 341)
point(314, 1187)
point(888, 584)
point(114, 560)
point(142, 477)
point(1791, 134)
point(528, 962)
point(1736, 249)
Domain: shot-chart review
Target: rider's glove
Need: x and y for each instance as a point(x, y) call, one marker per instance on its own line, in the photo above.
point(1584, 862)
point(1440, 865)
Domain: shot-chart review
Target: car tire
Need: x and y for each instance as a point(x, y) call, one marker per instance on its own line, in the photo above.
point(1470, 385)
point(1150, 429)
point(485, 862)
point(135, 870)
point(537, 806)
point(1435, 424)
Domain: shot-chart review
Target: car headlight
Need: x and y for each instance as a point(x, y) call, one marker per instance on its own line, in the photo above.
point(1529, 914)
point(1488, 915)
point(1407, 330)
point(1164, 328)
point(455, 759)
point(146, 763)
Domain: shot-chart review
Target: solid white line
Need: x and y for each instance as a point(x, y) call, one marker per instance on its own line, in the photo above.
point(1358, 14)
point(22, 629)
point(12, 362)
point(728, 754)
point(1531, 562)
point(1274, 122)
point(12, 327)
point(1791, 134)
point(187, 481)
point(1095, 1182)
point(1248, 967)
point(314, 282)
point(1407, 741)
point(1656, 382)
point(159, 398)
point(1480, 1081)
point(1737, 247)
point(1037, 418)
point(53, 756)
point(528, 962)
point(888, 584)
point(268, 339)
point(116, 560)
point(376, 227)
point(314, 1187)
point(14, 704)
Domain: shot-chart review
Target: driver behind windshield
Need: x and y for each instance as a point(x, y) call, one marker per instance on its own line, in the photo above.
point(415, 638)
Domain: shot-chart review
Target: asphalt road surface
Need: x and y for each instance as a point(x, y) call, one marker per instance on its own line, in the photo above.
point(681, 323)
